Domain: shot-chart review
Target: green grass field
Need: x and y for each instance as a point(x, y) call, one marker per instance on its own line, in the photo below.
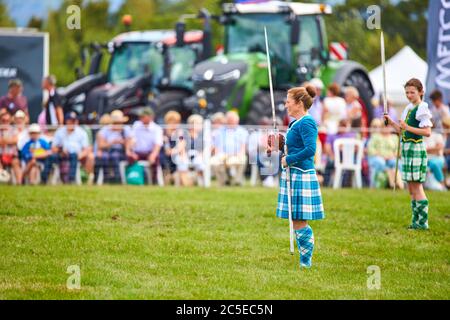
point(151, 243)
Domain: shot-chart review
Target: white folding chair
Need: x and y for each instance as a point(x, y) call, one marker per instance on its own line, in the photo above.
point(348, 154)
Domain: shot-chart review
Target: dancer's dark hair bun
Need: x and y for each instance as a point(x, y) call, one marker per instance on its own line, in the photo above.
point(311, 91)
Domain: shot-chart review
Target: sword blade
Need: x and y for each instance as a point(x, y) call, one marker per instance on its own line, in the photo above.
point(269, 68)
point(383, 63)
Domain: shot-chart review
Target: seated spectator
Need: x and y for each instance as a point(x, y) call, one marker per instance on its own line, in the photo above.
point(354, 108)
point(344, 131)
point(382, 152)
point(36, 152)
point(9, 156)
point(14, 100)
point(438, 110)
point(268, 164)
point(435, 145)
point(334, 109)
point(169, 160)
point(111, 146)
point(52, 114)
point(446, 127)
point(229, 152)
point(22, 131)
point(195, 145)
point(71, 144)
point(218, 121)
point(146, 141)
point(378, 109)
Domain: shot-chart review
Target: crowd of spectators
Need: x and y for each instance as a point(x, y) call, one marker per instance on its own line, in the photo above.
point(59, 149)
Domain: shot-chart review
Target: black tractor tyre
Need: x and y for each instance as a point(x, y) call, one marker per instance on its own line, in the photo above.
point(360, 81)
point(170, 100)
point(261, 107)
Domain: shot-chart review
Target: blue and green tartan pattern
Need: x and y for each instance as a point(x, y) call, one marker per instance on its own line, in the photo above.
point(306, 196)
point(305, 243)
point(414, 162)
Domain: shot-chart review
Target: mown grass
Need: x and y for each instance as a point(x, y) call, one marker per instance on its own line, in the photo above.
point(169, 243)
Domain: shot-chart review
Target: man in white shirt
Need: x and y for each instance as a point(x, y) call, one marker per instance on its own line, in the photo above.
point(229, 152)
point(71, 144)
point(146, 140)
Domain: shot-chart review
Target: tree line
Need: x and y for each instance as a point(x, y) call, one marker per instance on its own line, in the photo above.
point(404, 23)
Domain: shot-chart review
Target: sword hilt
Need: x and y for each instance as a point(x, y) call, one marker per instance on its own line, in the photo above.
point(386, 121)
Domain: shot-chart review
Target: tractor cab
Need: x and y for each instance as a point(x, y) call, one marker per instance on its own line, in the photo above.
point(296, 33)
point(298, 45)
point(145, 68)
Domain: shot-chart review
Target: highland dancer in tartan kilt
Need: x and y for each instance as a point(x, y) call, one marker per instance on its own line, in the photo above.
point(415, 123)
point(306, 197)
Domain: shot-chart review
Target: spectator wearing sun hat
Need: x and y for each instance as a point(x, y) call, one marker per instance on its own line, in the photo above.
point(111, 146)
point(14, 100)
point(19, 122)
point(36, 151)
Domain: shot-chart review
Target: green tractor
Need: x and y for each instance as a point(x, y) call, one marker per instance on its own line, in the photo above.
point(238, 79)
point(150, 67)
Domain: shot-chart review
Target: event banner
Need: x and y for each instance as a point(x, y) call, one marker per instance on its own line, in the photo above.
point(438, 50)
point(24, 55)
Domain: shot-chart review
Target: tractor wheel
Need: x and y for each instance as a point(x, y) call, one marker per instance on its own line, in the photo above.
point(360, 81)
point(171, 100)
point(261, 107)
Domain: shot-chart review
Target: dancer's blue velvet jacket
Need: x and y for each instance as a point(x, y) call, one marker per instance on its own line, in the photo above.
point(301, 142)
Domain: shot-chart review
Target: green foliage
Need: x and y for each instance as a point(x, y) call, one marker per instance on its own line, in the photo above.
point(219, 243)
point(404, 23)
point(5, 19)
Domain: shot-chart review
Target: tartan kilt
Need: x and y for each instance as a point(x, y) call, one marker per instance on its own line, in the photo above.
point(414, 162)
point(306, 196)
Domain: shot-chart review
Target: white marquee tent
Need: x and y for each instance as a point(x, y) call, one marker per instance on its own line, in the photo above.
point(404, 65)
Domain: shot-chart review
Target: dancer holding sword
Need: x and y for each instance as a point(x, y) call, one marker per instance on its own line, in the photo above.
point(299, 198)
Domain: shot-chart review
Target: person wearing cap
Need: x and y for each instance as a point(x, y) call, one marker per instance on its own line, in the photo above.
point(146, 139)
point(36, 151)
point(14, 100)
point(19, 123)
point(316, 110)
point(9, 156)
point(71, 144)
point(111, 147)
point(52, 113)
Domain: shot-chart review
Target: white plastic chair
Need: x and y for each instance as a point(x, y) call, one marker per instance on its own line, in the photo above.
point(348, 154)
